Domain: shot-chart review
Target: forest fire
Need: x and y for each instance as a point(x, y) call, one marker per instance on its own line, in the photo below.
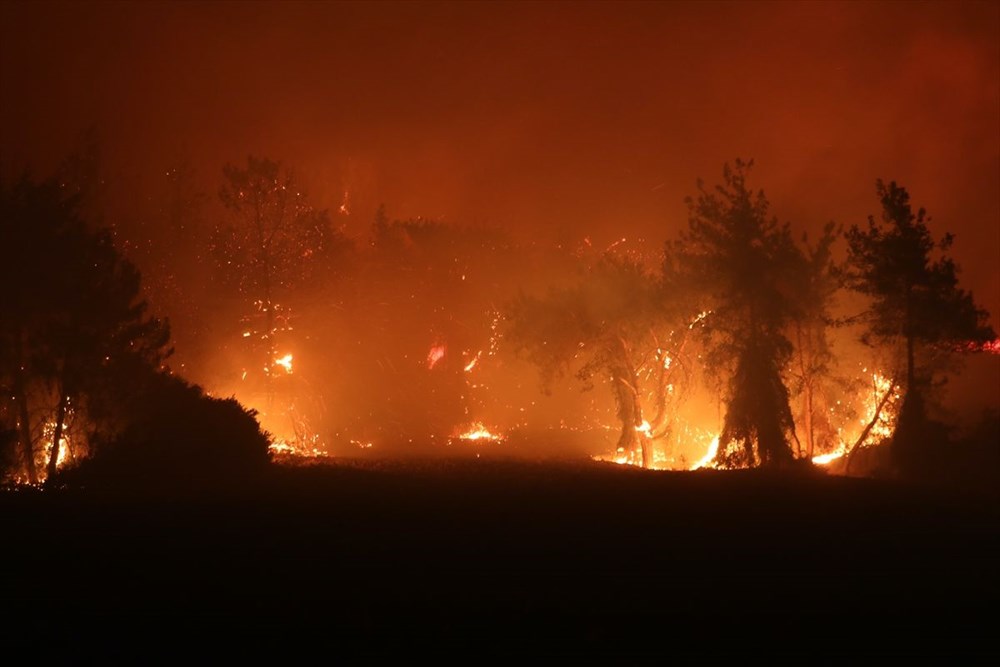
point(336, 328)
point(711, 337)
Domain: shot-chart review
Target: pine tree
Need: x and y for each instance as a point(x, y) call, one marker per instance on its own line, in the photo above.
point(915, 302)
point(738, 264)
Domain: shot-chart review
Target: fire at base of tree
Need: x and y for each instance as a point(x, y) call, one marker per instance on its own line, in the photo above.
point(735, 346)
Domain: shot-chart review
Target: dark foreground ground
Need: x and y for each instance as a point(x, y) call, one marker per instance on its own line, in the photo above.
point(480, 559)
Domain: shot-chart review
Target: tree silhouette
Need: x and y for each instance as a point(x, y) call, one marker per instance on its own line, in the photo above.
point(915, 301)
point(75, 318)
point(737, 264)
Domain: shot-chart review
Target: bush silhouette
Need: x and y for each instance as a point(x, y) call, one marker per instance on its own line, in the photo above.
point(179, 437)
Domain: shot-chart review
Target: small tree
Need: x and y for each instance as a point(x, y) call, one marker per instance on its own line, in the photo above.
point(739, 264)
point(916, 302)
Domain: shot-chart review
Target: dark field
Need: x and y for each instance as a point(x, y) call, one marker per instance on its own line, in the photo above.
point(475, 559)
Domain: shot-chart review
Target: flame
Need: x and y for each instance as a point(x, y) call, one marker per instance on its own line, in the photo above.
point(477, 431)
point(824, 459)
point(708, 460)
point(282, 447)
point(883, 428)
point(472, 364)
point(285, 362)
point(48, 433)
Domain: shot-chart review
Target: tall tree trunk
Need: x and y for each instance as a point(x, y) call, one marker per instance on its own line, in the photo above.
point(23, 413)
point(627, 440)
point(642, 434)
point(57, 433)
point(633, 435)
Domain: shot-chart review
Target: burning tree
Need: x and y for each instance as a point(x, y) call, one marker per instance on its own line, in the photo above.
point(604, 327)
point(916, 305)
point(75, 319)
point(273, 241)
point(737, 263)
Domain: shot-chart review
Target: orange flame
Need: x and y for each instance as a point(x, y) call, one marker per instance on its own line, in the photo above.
point(708, 460)
point(477, 431)
point(285, 362)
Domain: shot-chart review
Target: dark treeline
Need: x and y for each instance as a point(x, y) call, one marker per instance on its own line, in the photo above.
point(399, 339)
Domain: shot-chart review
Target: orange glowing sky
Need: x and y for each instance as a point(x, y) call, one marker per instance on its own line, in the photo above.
point(562, 119)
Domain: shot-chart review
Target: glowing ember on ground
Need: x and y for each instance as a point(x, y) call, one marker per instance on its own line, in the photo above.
point(281, 447)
